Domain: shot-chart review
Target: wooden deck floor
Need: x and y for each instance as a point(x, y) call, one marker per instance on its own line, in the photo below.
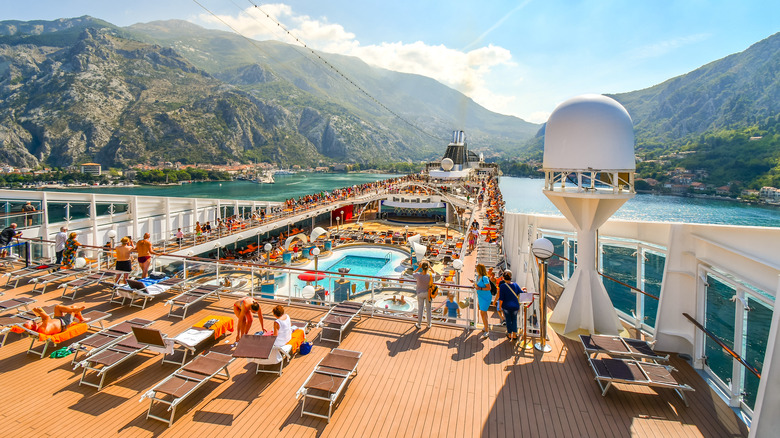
point(437, 382)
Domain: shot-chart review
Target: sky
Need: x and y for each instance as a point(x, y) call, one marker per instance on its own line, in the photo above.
point(520, 58)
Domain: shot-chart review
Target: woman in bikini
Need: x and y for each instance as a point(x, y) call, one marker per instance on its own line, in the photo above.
point(243, 309)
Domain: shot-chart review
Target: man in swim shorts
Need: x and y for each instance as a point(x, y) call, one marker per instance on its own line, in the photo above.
point(243, 309)
point(63, 317)
point(145, 252)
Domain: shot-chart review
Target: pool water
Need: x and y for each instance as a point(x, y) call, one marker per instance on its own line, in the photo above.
point(361, 265)
point(360, 260)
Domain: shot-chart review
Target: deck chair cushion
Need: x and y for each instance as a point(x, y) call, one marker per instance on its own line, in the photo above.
point(223, 324)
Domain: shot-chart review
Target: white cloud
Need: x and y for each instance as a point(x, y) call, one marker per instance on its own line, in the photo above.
point(462, 70)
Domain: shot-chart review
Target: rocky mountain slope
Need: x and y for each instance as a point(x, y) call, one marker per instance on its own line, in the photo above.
point(83, 90)
point(739, 90)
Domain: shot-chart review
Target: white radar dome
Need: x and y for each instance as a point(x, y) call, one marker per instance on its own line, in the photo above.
point(447, 164)
point(589, 132)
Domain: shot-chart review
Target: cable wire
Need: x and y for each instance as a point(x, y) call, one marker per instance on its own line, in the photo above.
point(327, 64)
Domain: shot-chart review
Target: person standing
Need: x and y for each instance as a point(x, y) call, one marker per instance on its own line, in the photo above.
point(484, 298)
point(123, 262)
point(59, 243)
point(28, 209)
point(145, 252)
point(71, 249)
point(508, 299)
point(179, 236)
point(424, 278)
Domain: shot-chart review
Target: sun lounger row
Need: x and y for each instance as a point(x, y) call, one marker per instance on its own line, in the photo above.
point(136, 290)
point(28, 272)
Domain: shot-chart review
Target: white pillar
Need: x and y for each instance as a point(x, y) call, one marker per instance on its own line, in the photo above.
point(134, 215)
point(584, 303)
point(93, 220)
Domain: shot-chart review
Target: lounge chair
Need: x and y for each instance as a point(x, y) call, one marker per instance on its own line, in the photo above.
point(108, 336)
point(28, 273)
point(194, 338)
point(15, 303)
point(136, 290)
point(96, 317)
point(328, 380)
point(616, 346)
point(632, 372)
point(90, 280)
point(109, 358)
point(260, 350)
point(192, 296)
point(54, 277)
point(339, 318)
point(185, 381)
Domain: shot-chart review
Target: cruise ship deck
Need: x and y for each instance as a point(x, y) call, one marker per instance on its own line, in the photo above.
point(437, 382)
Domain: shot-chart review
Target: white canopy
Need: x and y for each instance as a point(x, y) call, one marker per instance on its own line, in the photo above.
point(300, 236)
point(317, 232)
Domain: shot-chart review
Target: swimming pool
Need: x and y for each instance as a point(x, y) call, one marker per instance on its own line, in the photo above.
point(377, 261)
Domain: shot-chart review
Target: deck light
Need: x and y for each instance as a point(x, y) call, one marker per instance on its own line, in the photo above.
point(446, 231)
point(316, 253)
point(542, 249)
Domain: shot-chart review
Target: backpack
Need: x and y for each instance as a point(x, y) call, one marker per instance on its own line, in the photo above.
point(493, 288)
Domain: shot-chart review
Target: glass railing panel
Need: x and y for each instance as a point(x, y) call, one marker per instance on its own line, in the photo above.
point(654, 274)
point(757, 323)
point(555, 263)
point(619, 262)
point(57, 212)
point(719, 319)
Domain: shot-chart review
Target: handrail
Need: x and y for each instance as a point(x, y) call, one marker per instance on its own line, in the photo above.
point(722, 345)
point(615, 280)
point(264, 266)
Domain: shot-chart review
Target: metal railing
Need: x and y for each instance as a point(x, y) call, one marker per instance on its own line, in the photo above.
point(723, 346)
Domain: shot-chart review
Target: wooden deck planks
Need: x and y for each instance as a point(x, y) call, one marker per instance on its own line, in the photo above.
point(438, 382)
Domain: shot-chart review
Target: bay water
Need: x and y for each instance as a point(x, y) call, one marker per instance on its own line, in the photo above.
point(522, 195)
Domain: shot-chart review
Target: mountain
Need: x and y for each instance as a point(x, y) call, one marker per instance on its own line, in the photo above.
point(435, 108)
point(75, 90)
point(737, 91)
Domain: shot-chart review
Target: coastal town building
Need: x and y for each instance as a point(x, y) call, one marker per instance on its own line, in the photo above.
point(91, 168)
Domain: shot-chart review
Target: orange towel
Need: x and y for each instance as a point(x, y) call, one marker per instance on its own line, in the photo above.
point(72, 331)
point(298, 338)
point(223, 325)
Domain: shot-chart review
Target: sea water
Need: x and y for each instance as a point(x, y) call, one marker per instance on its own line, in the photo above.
point(522, 195)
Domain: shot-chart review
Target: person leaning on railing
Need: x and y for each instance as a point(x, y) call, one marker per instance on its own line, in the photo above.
point(6, 236)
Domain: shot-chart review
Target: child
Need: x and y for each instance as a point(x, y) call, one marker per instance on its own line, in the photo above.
point(453, 309)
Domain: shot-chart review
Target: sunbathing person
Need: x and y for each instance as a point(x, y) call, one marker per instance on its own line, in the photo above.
point(63, 317)
point(243, 309)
